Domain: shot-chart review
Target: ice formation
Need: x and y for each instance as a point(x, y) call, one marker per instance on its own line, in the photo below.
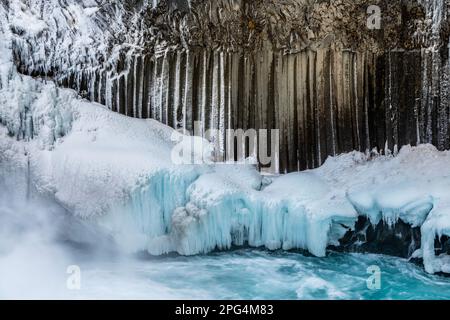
point(117, 173)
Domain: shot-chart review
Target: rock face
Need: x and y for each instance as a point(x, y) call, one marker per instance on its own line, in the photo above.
point(315, 70)
point(399, 240)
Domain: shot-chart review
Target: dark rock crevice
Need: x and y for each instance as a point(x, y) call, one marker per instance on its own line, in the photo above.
point(442, 245)
point(400, 240)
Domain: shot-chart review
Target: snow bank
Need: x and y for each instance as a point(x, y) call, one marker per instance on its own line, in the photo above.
point(413, 186)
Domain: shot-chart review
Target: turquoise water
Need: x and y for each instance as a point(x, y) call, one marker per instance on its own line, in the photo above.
point(34, 263)
point(254, 274)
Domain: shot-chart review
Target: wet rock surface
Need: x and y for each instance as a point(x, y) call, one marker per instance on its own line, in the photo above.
point(442, 245)
point(400, 240)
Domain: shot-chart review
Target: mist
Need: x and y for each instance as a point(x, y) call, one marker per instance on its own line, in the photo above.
point(41, 245)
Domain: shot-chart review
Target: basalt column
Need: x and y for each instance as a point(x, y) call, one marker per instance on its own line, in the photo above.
point(312, 69)
point(324, 102)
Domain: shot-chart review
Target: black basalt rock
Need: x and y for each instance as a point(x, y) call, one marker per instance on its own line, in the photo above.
point(399, 240)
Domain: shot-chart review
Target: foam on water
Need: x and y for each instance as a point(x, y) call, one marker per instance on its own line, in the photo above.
point(38, 242)
point(253, 274)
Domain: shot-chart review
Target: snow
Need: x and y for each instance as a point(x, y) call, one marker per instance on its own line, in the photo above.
point(51, 34)
point(229, 208)
point(26, 18)
point(306, 210)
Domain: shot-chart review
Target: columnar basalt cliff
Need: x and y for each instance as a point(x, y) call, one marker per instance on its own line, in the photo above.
point(313, 69)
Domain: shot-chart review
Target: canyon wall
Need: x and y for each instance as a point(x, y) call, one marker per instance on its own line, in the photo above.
point(313, 69)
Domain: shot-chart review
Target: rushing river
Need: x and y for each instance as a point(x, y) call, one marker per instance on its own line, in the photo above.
point(36, 262)
point(253, 274)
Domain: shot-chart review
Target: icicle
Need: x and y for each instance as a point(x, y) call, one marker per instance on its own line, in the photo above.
point(222, 106)
point(100, 88)
point(187, 99)
point(214, 115)
point(332, 112)
point(108, 92)
point(140, 85)
point(164, 91)
point(92, 80)
point(204, 100)
point(135, 87)
point(395, 150)
point(156, 94)
point(177, 91)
